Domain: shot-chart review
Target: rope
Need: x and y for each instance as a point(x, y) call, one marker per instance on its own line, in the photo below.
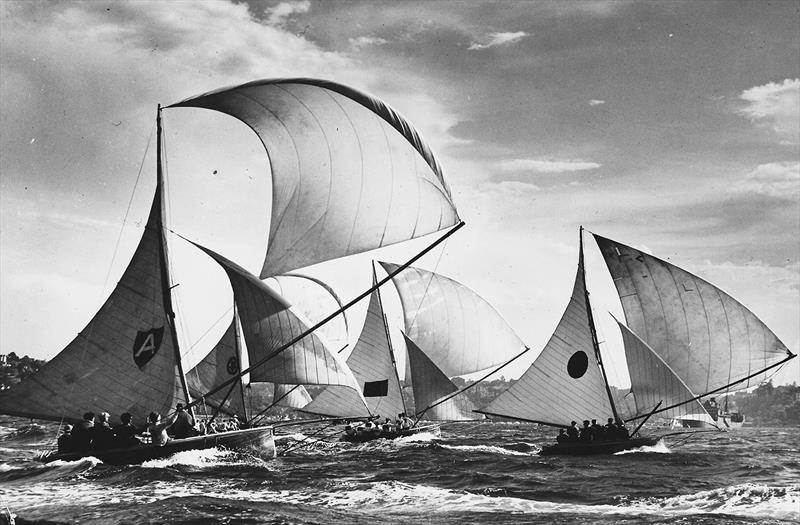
point(299, 443)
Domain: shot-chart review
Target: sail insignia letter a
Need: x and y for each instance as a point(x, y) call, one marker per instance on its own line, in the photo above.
point(146, 345)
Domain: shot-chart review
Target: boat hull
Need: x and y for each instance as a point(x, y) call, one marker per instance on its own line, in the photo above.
point(596, 447)
point(258, 441)
point(364, 437)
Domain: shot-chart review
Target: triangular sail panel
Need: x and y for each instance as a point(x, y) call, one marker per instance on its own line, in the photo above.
point(707, 338)
point(430, 385)
point(123, 360)
point(653, 381)
point(564, 383)
point(459, 330)
point(268, 322)
point(349, 174)
point(372, 365)
point(291, 396)
point(218, 366)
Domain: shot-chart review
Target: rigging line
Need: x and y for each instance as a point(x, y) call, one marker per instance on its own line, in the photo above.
point(336, 313)
point(312, 435)
point(213, 324)
point(427, 286)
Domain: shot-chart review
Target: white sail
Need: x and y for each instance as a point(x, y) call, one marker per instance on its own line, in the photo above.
point(653, 381)
point(460, 332)
point(268, 323)
point(707, 338)
point(349, 174)
point(291, 396)
point(564, 383)
point(124, 360)
point(430, 385)
point(373, 366)
point(221, 364)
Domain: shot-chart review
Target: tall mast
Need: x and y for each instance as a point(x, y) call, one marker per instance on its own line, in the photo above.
point(165, 277)
point(595, 344)
point(388, 338)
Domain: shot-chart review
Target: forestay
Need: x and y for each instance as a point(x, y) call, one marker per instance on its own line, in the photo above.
point(460, 332)
point(372, 364)
point(707, 338)
point(430, 385)
point(349, 174)
point(268, 322)
point(218, 366)
point(124, 360)
point(653, 381)
point(564, 383)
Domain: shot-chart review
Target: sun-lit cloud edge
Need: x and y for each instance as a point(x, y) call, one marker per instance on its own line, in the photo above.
point(776, 106)
point(545, 166)
point(498, 39)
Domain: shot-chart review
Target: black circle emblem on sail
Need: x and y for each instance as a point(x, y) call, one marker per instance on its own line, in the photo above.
point(146, 345)
point(233, 365)
point(578, 364)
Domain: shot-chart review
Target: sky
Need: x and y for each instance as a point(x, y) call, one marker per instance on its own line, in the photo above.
point(673, 127)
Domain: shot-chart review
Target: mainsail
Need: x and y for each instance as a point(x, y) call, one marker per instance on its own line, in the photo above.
point(710, 340)
point(267, 323)
point(431, 386)
point(124, 360)
point(349, 174)
point(219, 365)
point(373, 365)
point(457, 329)
point(654, 382)
point(565, 382)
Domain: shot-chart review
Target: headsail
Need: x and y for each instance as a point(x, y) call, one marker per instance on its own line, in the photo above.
point(564, 383)
point(372, 365)
point(653, 381)
point(430, 385)
point(460, 332)
point(268, 322)
point(124, 360)
point(219, 365)
point(349, 174)
point(707, 338)
point(291, 396)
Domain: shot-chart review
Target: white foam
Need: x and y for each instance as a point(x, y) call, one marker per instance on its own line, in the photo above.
point(659, 448)
point(422, 437)
point(489, 449)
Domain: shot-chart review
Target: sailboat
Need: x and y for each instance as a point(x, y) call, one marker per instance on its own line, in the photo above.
point(460, 332)
point(705, 337)
point(349, 174)
point(567, 381)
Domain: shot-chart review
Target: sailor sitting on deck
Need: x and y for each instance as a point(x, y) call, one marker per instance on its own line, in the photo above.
point(102, 434)
point(82, 433)
point(596, 431)
point(65, 441)
point(573, 431)
point(125, 432)
point(406, 423)
point(586, 431)
point(158, 427)
point(562, 436)
point(184, 423)
point(387, 426)
point(622, 432)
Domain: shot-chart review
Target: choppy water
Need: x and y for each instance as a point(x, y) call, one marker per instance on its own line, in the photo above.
point(488, 473)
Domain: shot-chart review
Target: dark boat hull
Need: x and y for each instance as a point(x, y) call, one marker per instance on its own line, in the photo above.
point(363, 437)
point(596, 447)
point(258, 441)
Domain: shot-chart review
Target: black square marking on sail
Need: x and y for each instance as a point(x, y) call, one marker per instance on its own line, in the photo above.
point(376, 388)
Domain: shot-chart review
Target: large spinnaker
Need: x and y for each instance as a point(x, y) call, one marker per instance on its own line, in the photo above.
point(564, 383)
point(372, 365)
point(349, 174)
point(707, 338)
point(221, 364)
point(458, 330)
point(654, 382)
point(123, 360)
point(268, 322)
point(430, 385)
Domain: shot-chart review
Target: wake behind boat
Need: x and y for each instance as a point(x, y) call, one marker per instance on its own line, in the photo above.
point(257, 441)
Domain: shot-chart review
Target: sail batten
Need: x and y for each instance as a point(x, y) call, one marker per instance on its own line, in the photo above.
point(330, 146)
point(708, 338)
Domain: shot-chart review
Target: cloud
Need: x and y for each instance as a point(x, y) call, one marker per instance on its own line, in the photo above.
point(595, 102)
point(279, 14)
point(775, 106)
point(364, 41)
point(775, 179)
point(498, 39)
point(545, 166)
